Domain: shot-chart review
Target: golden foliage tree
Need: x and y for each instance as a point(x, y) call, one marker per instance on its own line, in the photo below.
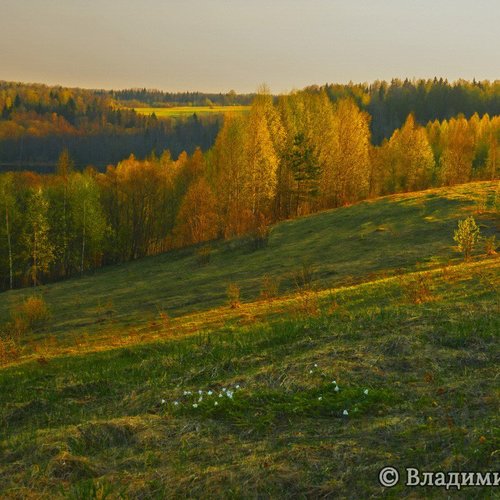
point(197, 218)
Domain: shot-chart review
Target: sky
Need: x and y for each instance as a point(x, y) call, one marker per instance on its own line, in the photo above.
point(218, 45)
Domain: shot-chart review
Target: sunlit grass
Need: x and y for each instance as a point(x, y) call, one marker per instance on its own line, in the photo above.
point(147, 384)
point(343, 247)
point(317, 403)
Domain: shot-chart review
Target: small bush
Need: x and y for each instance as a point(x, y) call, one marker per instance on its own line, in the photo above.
point(481, 205)
point(417, 290)
point(490, 245)
point(8, 349)
point(270, 287)
point(307, 304)
point(467, 235)
point(233, 295)
point(203, 255)
point(165, 320)
point(31, 314)
point(304, 276)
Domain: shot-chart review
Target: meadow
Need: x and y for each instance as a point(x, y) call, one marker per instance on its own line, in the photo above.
point(361, 339)
point(183, 111)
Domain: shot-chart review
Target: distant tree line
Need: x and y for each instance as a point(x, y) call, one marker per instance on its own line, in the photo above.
point(435, 99)
point(99, 127)
point(294, 155)
point(153, 98)
point(37, 122)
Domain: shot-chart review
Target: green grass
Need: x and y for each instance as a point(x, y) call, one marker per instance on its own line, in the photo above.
point(89, 422)
point(182, 111)
point(81, 411)
point(358, 243)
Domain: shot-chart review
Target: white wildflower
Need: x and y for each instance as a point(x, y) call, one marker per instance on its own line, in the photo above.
point(195, 405)
point(163, 401)
point(200, 392)
point(216, 403)
point(345, 413)
point(337, 388)
point(200, 399)
point(320, 398)
point(237, 387)
point(176, 403)
point(229, 394)
point(220, 395)
point(209, 393)
point(224, 389)
point(366, 392)
point(310, 371)
point(315, 365)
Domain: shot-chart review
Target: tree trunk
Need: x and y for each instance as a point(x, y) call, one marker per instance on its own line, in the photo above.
point(83, 236)
point(9, 244)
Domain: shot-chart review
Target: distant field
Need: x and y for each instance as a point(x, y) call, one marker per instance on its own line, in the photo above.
point(179, 111)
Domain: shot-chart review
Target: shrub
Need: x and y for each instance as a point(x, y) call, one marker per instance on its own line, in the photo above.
point(304, 276)
point(307, 303)
point(481, 205)
point(233, 295)
point(270, 287)
point(8, 350)
point(165, 320)
point(467, 236)
point(417, 290)
point(31, 314)
point(490, 245)
point(203, 255)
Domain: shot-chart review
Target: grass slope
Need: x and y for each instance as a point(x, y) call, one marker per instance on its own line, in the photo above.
point(388, 235)
point(85, 425)
point(83, 417)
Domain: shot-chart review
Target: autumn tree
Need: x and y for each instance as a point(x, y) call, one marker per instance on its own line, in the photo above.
point(346, 166)
point(411, 160)
point(229, 176)
point(458, 153)
point(261, 154)
point(197, 218)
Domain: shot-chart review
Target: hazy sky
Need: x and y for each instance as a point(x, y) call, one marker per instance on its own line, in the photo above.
point(217, 45)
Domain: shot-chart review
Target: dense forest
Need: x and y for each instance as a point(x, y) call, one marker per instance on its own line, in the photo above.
point(100, 127)
point(291, 155)
point(37, 122)
point(158, 98)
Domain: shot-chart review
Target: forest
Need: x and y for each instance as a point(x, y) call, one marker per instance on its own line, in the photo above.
point(100, 127)
point(37, 122)
point(290, 155)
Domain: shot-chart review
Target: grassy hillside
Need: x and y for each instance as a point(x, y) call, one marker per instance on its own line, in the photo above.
point(79, 424)
point(97, 407)
point(358, 243)
point(181, 111)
